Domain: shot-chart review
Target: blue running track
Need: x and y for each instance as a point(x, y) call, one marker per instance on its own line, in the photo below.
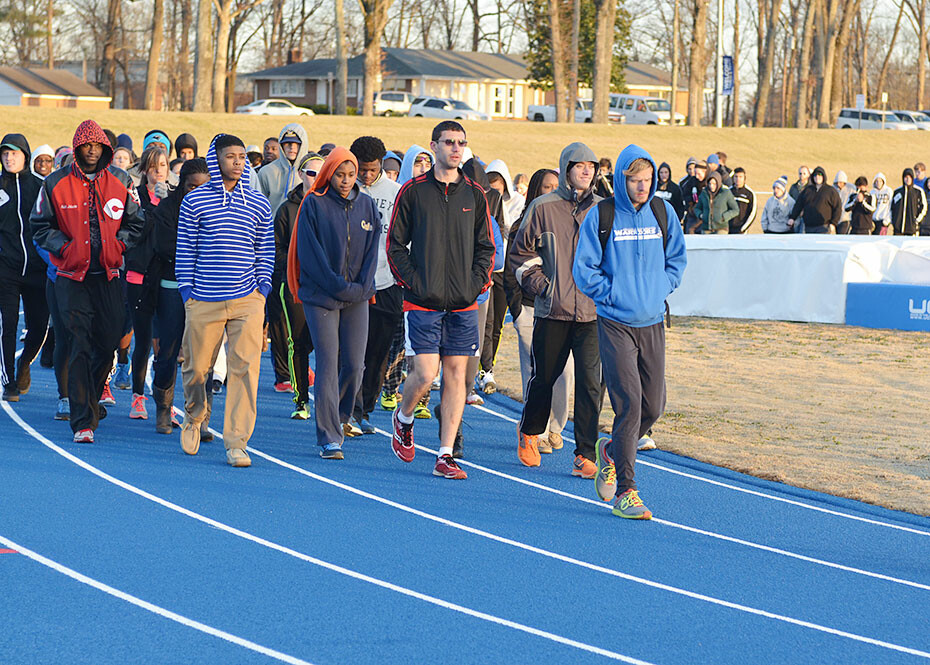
point(130, 551)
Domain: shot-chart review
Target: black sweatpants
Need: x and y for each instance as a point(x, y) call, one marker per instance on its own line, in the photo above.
point(93, 312)
point(170, 313)
point(634, 371)
point(552, 342)
point(142, 320)
point(384, 315)
point(497, 309)
point(277, 330)
point(298, 344)
point(31, 290)
point(62, 340)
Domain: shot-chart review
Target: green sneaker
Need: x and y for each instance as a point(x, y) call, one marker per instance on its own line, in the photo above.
point(605, 482)
point(388, 402)
point(422, 412)
point(301, 412)
point(630, 506)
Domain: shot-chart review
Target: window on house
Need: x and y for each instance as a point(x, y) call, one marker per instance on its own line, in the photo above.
point(288, 87)
point(352, 88)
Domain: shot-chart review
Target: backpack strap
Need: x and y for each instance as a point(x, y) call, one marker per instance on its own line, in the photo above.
point(661, 215)
point(605, 222)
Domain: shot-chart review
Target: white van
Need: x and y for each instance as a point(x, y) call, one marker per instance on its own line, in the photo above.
point(870, 119)
point(642, 110)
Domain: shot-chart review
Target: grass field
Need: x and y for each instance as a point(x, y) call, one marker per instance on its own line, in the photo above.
point(525, 146)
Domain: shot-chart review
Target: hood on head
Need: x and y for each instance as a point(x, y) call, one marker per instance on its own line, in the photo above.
point(840, 177)
point(907, 172)
point(216, 176)
point(572, 154)
point(473, 169)
point(666, 165)
point(44, 149)
point(298, 129)
point(713, 175)
point(337, 156)
point(821, 171)
point(880, 176)
point(19, 141)
point(499, 167)
point(185, 140)
point(629, 155)
point(406, 167)
point(90, 132)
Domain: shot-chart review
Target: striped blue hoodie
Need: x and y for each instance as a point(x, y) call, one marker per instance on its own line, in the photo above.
point(225, 239)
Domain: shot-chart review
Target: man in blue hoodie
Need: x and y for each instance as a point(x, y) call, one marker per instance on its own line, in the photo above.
point(629, 278)
point(223, 265)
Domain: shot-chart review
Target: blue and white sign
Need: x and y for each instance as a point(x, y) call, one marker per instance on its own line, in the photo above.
point(883, 305)
point(727, 75)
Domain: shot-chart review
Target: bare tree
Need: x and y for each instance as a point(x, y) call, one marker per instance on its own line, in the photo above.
point(883, 74)
point(158, 37)
point(918, 20)
point(185, 72)
point(375, 15)
point(106, 74)
point(767, 62)
point(734, 119)
point(573, 61)
point(605, 20)
point(676, 43)
point(203, 95)
point(698, 63)
point(804, 65)
point(342, 65)
point(559, 78)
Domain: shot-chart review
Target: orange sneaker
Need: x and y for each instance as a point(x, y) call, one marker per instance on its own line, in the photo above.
point(583, 467)
point(528, 448)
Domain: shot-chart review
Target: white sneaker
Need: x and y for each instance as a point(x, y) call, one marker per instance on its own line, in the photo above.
point(486, 383)
point(436, 384)
point(646, 443)
point(474, 398)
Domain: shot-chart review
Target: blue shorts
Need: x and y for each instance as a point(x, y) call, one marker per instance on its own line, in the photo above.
point(445, 333)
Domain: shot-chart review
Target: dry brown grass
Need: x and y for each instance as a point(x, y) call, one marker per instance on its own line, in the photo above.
point(837, 409)
point(525, 146)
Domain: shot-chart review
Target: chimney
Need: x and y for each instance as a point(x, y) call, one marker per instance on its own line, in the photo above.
point(294, 55)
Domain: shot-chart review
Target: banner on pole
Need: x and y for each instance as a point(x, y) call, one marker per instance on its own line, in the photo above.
point(727, 75)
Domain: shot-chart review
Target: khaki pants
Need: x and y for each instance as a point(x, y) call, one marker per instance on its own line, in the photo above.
point(241, 320)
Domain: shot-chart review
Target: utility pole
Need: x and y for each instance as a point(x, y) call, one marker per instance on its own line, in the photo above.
point(675, 55)
point(50, 37)
point(718, 107)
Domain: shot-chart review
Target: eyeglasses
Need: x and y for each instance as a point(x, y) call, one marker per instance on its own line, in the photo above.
point(310, 173)
point(451, 142)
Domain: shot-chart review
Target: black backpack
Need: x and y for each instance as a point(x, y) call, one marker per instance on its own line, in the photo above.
point(605, 222)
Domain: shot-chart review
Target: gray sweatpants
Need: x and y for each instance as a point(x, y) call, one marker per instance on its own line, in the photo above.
point(339, 340)
point(633, 362)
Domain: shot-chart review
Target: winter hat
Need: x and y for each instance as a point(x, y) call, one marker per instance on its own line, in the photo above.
point(700, 165)
point(249, 148)
point(186, 140)
point(782, 182)
point(394, 166)
point(290, 136)
point(124, 141)
point(156, 135)
point(691, 160)
point(840, 177)
point(713, 159)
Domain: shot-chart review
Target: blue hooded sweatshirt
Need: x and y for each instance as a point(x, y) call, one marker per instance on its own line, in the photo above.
point(406, 168)
point(225, 239)
point(630, 281)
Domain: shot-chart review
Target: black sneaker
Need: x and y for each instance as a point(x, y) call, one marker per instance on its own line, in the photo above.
point(10, 393)
point(101, 412)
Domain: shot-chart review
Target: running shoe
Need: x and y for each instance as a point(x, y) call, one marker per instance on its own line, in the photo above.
point(630, 506)
point(283, 387)
point(458, 444)
point(311, 377)
point(555, 440)
point(367, 427)
point(23, 376)
point(237, 457)
point(84, 436)
point(544, 446)
point(605, 482)
point(646, 443)
point(388, 402)
point(402, 441)
point(486, 383)
point(121, 379)
point(422, 412)
point(446, 467)
point(63, 412)
point(583, 467)
point(300, 412)
point(10, 393)
point(106, 397)
point(436, 384)
point(332, 451)
point(528, 448)
point(217, 386)
point(474, 399)
point(351, 429)
point(101, 412)
point(137, 410)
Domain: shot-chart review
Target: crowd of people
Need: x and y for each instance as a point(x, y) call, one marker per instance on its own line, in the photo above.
point(395, 268)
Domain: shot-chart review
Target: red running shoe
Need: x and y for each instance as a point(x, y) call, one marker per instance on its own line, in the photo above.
point(402, 441)
point(447, 467)
point(283, 387)
point(311, 376)
point(107, 396)
point(84, 436)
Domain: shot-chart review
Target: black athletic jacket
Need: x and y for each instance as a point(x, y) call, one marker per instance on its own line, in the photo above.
point(440, 245)
point(18, 193)
point(818, 207)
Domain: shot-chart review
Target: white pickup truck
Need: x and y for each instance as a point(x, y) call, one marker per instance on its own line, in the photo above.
point(547, 113)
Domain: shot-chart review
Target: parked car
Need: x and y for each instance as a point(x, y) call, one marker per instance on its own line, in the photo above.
point(441, 107)
point(393, 102)
point(921, 120)
point(641, 110)
point(273, 107)
point(539, 113)
point(850, 118)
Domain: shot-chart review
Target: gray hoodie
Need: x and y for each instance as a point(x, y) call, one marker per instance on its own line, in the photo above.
point(277, 179)
point(543, 249)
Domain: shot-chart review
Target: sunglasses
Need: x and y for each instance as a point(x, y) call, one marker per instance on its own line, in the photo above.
point(422, 160)
point(310, 173)
point(452, 142)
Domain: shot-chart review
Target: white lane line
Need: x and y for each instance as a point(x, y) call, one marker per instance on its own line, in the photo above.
point(590, 566)
point(744, 490)
point(150, 607)
point(310, 559)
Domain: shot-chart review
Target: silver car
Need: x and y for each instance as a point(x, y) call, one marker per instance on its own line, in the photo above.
point(273, 107)
point(440, 107)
